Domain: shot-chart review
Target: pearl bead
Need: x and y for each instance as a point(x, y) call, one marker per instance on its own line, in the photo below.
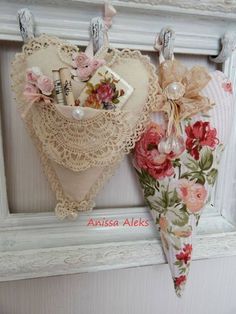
point(78, 113)
point(165, 146)
point(174, 90)
point(171, 144)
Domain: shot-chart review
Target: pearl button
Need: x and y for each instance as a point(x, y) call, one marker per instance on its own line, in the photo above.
point(78, 113)
point(174, 90)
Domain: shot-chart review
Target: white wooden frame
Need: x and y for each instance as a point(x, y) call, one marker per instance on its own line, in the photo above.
point(34, 245)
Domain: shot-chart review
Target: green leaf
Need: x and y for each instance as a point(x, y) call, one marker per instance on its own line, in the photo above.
point(165, 198)
point(147, 182)
point(174, 199)
point(181, 215)
point(198, 177)
point(206, 160)
point(148, 191)
point(161, 203)
point(177, 248)
point(179, 263)
point(192, 164)
point(182, 270)
point(115, 101)
point(211, 176)
point(154, 206)
point(113, 86)
point(197, 216)
point(157, 185)
point(176, 163)
point(185, 175)
point(149, 179)
point(90, 85)
point(116, 95)
point(96, 86)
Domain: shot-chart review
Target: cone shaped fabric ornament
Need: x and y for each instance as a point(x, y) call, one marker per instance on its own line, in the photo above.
point(177, 157)
point(80, 147)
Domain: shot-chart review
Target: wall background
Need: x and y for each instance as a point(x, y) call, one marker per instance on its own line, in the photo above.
point(147, 290)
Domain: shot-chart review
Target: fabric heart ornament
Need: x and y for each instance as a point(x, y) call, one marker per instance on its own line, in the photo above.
point(178, 155)
point(80, 147)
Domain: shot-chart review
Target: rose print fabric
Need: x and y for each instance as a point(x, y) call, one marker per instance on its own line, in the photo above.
point(177, 185)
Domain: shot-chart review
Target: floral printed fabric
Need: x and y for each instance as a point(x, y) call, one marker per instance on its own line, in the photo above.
point(175, 186)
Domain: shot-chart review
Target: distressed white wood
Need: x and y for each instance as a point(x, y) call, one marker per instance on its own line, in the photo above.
point(135, 25)
point(210, 290)
point(226, 197)
point(36, 244)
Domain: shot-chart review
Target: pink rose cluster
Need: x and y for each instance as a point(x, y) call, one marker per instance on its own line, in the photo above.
point(38, 86)
point(148, 157)
point(192, 194)
point(84, 66)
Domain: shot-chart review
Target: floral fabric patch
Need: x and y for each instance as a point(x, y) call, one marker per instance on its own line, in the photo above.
point(105, 90)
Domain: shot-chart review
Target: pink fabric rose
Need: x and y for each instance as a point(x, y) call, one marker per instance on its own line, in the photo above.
point(97, 63)
point(81, 60)
point(45, 84)
point(85, 66)
point(31, 92)
point(192, 194)
point(105, 93)
point(33, 74)
point(227, 86)
point(148, 157)
point(84, 73)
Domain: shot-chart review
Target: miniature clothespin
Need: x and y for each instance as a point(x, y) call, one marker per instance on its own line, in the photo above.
point(99, 28)
point(26, 24)
point(228, 42)
point(164, 43)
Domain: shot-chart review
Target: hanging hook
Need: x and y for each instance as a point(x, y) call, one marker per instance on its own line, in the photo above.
point(164, 43)
point(26, 24)
point(228, 42)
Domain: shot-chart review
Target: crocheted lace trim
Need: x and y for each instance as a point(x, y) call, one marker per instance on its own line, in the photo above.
point(81, 144)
